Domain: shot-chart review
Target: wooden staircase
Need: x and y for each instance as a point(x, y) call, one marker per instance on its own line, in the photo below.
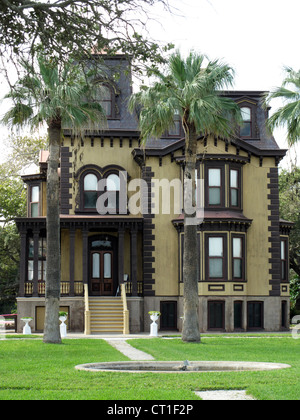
point(106, 315)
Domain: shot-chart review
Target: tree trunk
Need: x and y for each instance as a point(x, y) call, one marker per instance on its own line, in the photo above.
point(51, 327)
point(190, 332)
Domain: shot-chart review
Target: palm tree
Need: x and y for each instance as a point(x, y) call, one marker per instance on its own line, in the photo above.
point(190, 90)
point(58, 96)
point(289, 114)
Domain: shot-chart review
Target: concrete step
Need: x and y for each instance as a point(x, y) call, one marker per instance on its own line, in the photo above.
point(106, 315)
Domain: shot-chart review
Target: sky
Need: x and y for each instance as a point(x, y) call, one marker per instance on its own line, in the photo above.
point(257, 38)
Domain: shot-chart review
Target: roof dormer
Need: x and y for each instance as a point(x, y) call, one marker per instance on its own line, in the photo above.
point(249, 129)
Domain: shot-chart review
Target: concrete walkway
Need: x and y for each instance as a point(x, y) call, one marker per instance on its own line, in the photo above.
point(118, 341)
point(128, 350)
point(234, 395)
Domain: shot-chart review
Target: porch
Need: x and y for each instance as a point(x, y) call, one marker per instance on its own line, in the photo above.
point(83, 240)
point(65, 287)
point(101, 257)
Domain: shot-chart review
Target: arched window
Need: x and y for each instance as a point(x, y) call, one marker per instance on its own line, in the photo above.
point(113, 190)
point(245, 130)
point(100, 190)
point(90, 193)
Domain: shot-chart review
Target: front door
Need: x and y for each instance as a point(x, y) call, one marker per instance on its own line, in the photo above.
point(101, 273)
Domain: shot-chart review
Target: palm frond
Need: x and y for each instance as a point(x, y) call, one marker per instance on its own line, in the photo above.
point(54, 93)
point(190, 88)
point(289, 114)
point(19, 115)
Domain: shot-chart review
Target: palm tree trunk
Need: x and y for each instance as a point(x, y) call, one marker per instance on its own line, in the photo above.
point(190, 332)
point(51, 327)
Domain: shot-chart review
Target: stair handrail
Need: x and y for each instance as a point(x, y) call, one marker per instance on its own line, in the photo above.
point(87, 315)
point(125, 310)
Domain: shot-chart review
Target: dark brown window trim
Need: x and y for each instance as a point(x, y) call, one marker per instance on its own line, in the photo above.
point(247, 122)
point(244, 103)
point(214, 165)
point(86, 172)
point(243, 278)
point(100, 173)
point(238, 168)
point(207, 258)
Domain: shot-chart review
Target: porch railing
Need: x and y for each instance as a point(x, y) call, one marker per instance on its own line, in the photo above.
point(64, 288)
point(78, 288)
point(125, 310)
point(87, 314)
point(128, 288)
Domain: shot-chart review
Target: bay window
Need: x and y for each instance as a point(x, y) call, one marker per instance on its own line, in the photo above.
point(234, 186)
point(216, 257)
point(223, 186)
point(238, 257)
point(216, 261)
point(215, 185)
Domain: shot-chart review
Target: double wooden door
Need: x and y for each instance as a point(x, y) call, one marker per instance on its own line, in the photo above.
point(101, 273)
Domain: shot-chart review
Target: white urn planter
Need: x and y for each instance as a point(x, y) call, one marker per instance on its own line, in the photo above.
point(63, 327)
point(26, 328)
point(154, 327)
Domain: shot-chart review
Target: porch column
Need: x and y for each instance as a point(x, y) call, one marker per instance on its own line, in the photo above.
point(133, 261)
point(72, 233)
point(121, 255)
point(36, 236)
point(85, 256)
point(23, 262)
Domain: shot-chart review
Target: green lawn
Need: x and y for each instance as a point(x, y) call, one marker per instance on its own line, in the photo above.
point(30, 369)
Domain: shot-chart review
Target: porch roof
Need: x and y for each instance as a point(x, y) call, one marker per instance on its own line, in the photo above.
point(84, 222)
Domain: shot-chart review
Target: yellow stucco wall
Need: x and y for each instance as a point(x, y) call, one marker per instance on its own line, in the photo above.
point(166, 236)
point(101, 156)
point(255, 206)
point(255, 197)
